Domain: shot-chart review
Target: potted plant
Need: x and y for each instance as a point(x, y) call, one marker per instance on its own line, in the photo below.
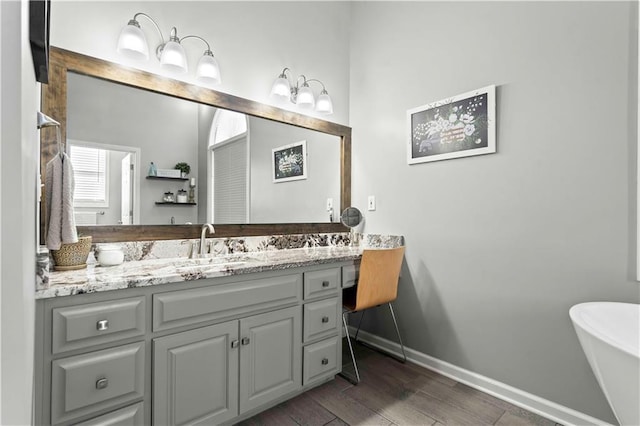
point(184, 168)
point(72, 256)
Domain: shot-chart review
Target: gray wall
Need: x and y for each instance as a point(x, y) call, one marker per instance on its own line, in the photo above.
point(252, 40)
point(500, 246)
point(289, 201)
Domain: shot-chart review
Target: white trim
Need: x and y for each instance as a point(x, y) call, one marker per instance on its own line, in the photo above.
point(515, 396)
point(638, 157)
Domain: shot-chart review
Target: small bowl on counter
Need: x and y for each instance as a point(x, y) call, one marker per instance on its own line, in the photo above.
point(109, 254)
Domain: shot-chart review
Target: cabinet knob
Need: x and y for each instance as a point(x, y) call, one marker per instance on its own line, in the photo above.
point(234, 344)
point(102, 325)
point(325, 283)
point(325, 361)
point(102, 383)
point(325, 319)
point(245, 340)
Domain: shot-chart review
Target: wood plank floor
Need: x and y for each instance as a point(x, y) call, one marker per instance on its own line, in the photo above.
point(392, 393)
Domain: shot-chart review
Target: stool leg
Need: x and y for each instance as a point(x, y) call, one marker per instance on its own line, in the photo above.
point(359, 324)
point(353, 358)
point(404, 356)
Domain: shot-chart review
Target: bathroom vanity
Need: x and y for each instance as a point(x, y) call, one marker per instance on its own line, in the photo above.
point(189, 341)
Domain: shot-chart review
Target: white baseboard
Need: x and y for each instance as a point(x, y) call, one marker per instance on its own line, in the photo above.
point(518, 397)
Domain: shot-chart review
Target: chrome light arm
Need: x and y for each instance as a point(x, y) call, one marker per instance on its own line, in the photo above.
point(208, 51)
point(135, 22)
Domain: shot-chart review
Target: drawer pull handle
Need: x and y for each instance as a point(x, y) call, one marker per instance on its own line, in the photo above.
point(325, 283)
point(102, 325)
point(325, 361)
point(245, 340)
point(102, 383)
point(234, 344)
point(325, 319)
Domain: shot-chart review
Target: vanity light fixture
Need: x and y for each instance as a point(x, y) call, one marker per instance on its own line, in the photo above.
point(301, 94)
point(171, 54)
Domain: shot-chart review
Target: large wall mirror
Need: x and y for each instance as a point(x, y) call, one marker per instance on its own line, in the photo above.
point(118, 120)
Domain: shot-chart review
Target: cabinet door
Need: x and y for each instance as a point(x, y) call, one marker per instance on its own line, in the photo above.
point(270, 356)
point(196, 376)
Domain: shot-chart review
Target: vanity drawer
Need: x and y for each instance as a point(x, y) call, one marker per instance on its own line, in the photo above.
point(350, 275)
point(127, 416)
point(82, 326)
point(321, 319)
point(186, 307)
point(95, 381)
point(321, 283)
point(321, 360)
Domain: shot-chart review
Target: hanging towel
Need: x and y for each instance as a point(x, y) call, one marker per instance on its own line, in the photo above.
point(59, 186)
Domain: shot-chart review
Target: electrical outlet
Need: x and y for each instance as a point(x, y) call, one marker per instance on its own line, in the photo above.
point(329, 203)
point(371, 203)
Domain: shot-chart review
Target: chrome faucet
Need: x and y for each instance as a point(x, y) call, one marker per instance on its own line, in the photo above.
point(202, 235)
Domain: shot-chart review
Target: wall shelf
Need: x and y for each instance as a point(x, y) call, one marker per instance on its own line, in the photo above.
point(162, 203)
point(166, 178)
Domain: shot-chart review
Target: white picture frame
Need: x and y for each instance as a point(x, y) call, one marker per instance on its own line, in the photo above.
point(460, 126)
point(289, 162)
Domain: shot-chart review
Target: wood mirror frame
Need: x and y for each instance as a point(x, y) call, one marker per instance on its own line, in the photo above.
point(54, 104)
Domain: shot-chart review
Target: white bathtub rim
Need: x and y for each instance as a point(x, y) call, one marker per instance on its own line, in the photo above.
point(579, 320)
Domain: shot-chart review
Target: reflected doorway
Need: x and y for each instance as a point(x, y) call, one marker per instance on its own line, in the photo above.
point(229, 169)
point(107, 182)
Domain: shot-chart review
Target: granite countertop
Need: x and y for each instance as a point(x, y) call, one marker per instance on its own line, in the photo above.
point(148, 272)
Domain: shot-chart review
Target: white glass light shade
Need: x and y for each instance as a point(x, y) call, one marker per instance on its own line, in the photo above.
point(324, 104)
point(305, 98)
point(132, 43)
point(174, 58)
point(281, 90)
point(208, 70)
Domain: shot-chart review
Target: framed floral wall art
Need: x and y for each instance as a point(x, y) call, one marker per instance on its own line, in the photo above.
point(460, 126)
point(289, 162)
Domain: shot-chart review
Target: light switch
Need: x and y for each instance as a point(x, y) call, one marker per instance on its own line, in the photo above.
point(371, 203)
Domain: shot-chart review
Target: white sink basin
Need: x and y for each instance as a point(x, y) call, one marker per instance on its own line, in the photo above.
point(609, 333)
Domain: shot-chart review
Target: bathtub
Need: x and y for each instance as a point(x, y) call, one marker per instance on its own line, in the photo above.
point(609, 333)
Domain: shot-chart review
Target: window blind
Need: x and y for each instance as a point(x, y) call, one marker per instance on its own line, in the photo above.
point(90, 174)
point(230, 182)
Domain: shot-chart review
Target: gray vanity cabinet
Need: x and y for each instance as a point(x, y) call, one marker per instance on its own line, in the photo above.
point(203, 352)
point(196, 372)
point(270, 357)
point(83, 383)
point(322, 354)
point(195, 376)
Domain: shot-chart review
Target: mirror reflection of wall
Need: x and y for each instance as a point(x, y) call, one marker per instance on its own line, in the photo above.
point(168, 130)
point(111, 114)
point(288, 201)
